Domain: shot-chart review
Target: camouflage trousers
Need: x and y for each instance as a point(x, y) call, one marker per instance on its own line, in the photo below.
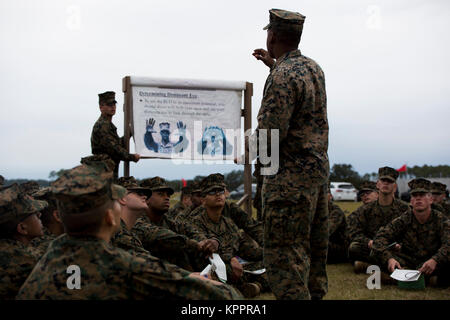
point(358, 251)
point(337, 252)
point(296, 243)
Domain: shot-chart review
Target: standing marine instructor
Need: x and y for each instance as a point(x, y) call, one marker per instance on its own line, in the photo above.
point(104, 138)
point(295, 207)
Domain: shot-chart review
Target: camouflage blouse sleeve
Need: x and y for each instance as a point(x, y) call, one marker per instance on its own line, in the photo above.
point(253, 227)
point(389, 234)
point(355, 221)
point(442, 256)
point(111, 144)
point(279, 99)
point(153, 236)
point(186, 228)
point(336, 217)
point(157, 284)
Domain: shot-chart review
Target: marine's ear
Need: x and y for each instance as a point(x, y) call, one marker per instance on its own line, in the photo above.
point(57, 216)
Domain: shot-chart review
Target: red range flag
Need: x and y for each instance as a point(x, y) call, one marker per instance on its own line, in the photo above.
point(402, 169)
point(183, 182)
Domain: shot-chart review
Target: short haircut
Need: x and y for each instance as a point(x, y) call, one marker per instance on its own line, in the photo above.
point(47, 213)
point(85, 223)
point(290, 37)
point(8, 230)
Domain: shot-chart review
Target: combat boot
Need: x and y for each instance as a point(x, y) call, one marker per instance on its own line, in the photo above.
point(433, 282)
point(386, 279)
point(360, 266)
point(250, 289)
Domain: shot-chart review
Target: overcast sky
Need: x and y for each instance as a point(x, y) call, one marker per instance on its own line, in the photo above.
point(386, 65)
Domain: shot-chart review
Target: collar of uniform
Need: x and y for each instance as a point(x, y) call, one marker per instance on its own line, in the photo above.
point(123, 225)
point(105, 118)
point(287, 55)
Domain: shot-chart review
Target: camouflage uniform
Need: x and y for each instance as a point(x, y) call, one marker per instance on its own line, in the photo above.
point(179, 207)
point(338, 241)
point(365, 222)
point(257, 200)
point(106, 272)
point(104, 138)
point(244, 221)
point(183, 216)
point(419, 241)
point(233, 241)
point(128, 241)
point(29, 187)
point(16, 262)
point(176, 210)
point(163, 240)
point(295, 206)
point(100, 161)
point(166, 244)
point(109, 273)
point(41, 243)
point(16, 259)
point(443, 206)
point(168, 222)
point(367, 186)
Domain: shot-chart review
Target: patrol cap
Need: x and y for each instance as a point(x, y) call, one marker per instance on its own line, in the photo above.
point(156, 184)
point(437, 187)
point(131, 184)
point(100, 161)
point(368, 186)
point(213, 181)
point(195, 187)
point(45, 194)
point(419, 185)
point(29, 187)
point(84, 188)
point(187, 190)
point(107, 97)
point(388, 173)
point(286, 20)
point(15, 206)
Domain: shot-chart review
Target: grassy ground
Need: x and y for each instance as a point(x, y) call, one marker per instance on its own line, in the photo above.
point(344, 284)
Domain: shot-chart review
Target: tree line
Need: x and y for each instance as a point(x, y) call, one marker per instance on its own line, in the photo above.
point(235, 178)
point(345, 172)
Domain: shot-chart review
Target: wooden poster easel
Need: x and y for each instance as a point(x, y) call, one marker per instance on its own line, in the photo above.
point(246, 112)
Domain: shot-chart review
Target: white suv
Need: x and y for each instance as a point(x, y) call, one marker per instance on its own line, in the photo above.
point(343, 191)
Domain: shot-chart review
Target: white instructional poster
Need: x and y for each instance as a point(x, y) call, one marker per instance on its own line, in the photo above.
point(186, 123)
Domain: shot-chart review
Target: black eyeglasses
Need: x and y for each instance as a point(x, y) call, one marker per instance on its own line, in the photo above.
point(216, 191)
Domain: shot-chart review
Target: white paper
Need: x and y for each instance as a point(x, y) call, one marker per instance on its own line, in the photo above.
point(190, 124)
point(219, 267)
point(206, 271)
point(405, 275)
point(260, 271)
